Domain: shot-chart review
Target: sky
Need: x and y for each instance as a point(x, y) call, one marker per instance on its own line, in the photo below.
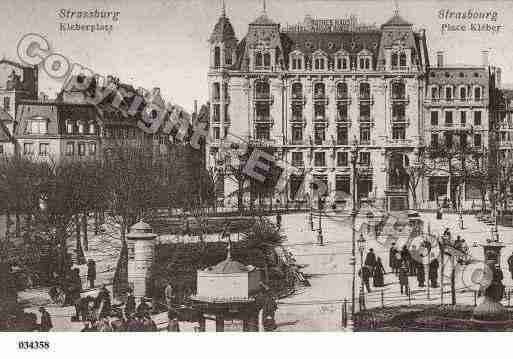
point(164, 43)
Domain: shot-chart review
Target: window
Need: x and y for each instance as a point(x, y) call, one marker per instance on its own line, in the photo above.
point(402, 60)
point(365, 112)
point(319, 63)
point(434, 93)
point(297, 134)
point(228, 57)
point(343, 184)
point(398, 90)
point(7, 104)
point(217, 133)
point(477, 140)
point(477, 118)
point(69, 126)
point(319, 135)
point(216, 91)
point(434, 139)
point(398, 113)
point(263, 91)
point(463, 93)
point(1, 149)
point(81, 127)
point(448, 118)
point(28, 148)
point(463, 117)
point(296, 63)
point(365, 158)
point(398, 132)
point(320, 159)
point(319, 111)
point(448, 93)
point(38, 127)
point(477, 93)
point(297, 159)
point(216, 116)
point(395, 60)
point(258, 59)
point(342, 136)
point(434, 118)
point(342, 159)
point(70, 149)
point(263, 132)
point(297, 90)
point(341, 90)
point(92, 129)
point(267, 60)
point(43, 149)
point(81, 149)
point(364, 90)
point(92, 149)
point(297, 113)
point(365, 134)
point(342, 112)
point(217, 56)
point(463, 140)
point(319, 90)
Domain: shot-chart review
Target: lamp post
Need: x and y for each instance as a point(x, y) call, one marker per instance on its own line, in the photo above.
point(354, 161)
point(320, 238)
point(361, 249)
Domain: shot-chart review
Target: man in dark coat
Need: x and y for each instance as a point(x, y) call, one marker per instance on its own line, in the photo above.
point(405, 257)
point(378, 275)
point(46, 320)
point(103, 302)
point(143, 308)
point(392, 258)
point(130, 303)
point(91, 272)
point(370, 260)
point(365, 275)
point(403, 278)
point(433, 273)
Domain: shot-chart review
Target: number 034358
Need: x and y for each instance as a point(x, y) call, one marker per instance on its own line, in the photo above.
point(34, 345)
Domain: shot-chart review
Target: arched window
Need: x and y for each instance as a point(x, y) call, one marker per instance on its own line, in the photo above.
point(319, 63)
point(342, 90)
point(434, 92)
point(448, 93)
point(364, 90)
point(267, 60)
point(477, 93)
point(228, 56)
point(362, 63)
point(344, 63)
point(258, 59)
point(262, 89)
point(367, 64)
point(402, 60)
point(463, 93)
point(319, 90)
point(297, 90)
point(217, 56)
point(395, 61)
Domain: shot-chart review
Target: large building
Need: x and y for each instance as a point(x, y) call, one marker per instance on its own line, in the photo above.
point(309, 92)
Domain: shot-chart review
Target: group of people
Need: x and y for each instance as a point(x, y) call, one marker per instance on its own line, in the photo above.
point(373, 267)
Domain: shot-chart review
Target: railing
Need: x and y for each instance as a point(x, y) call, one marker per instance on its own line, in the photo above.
point(343, 98)
point(366, 98)
point(400, 120)
point(400, 98)
point(263, 96)
point(263, 119)
point(343, 120)
point(297, 142)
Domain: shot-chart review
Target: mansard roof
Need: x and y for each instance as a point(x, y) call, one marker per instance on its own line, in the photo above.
point(396, 20)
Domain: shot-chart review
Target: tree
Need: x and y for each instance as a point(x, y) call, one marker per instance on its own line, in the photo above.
point(414, 172)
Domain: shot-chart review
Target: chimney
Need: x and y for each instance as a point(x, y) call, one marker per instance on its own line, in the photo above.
point(484, 58)
point(440, 59)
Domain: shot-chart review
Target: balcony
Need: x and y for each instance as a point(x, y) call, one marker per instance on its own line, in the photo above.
point(297, 142)
point(216, 119)
point(298, 164)
point(397, 189)
point(344, 141)
point(400, 98)
point(320, 119)
point(366, 120)
point(264, 119)
point(263, 97)
point(320, 96)
point(343, 120)
point(298, 120)
point(343, 98)
point(298, 98)
point(400, 120)
point(262, 142)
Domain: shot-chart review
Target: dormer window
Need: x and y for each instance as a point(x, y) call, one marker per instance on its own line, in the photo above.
point(296, 61)
point(258, 59)
point(92, 129)
point(320, 60)
point(228, 57)
point(262, 61)
point(364, 60)
point(319, 64)
point(70, 126)
point(81, 127)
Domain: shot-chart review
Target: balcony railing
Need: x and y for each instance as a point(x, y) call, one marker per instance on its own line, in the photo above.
point(400, 98)
point(297, 141)
point(216, 119)
point(320, 118)
point(366, 120)
point(366, 98)
point(298, 163)
point(343, 97)
point(263, 119)
point(343, 141)
point(343, 120)
point(263, 96)
point(400, 120)
point(298, 97)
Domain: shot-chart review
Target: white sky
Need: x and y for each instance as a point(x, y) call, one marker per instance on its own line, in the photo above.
point(164, 42)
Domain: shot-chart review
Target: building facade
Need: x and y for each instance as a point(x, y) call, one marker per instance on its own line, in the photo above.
point(312, 92)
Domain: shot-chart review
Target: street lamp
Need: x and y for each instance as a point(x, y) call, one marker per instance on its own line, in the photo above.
point(361, 249)
point(354, 161)
point(320, 203)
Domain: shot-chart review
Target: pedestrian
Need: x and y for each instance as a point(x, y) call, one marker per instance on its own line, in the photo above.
point(143, 308)
point(278, 220)
point(447, 235)
point(378, 275)
point(365, 275)
point(405, 258)
point(433, 273)
point(130, 303)
point(149, 324)
point(403, 278)
point(103, 302)
point(420, 272)
point(510, 265)
point(412, 264)
point(91, 272)
point(46, 320)
point(392, 258)
point(370, 260)
point(169, 295)
point(173, 323)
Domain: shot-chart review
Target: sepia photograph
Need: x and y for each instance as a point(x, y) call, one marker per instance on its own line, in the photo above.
point(243, 166)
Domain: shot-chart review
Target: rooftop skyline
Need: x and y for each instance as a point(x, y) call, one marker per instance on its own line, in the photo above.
point(164, 44)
